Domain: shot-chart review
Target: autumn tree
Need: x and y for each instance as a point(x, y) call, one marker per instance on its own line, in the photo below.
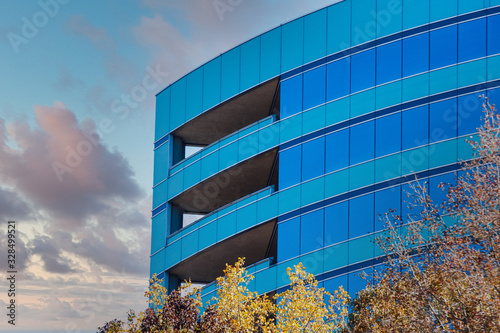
point(443, 266)
point(303, 307)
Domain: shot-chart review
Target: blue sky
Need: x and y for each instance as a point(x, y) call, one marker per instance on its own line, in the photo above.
point(76, 139)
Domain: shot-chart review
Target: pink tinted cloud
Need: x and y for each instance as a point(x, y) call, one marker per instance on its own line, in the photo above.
point(62, 169)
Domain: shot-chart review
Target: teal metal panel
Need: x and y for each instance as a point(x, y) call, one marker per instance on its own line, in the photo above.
point(415, 13)
point(339, 27)
point(270, 54)
point(335, 256)
point(338, 111)
point(292, 45)
point(312, 191)
point(290, 128)
point(361, 249)
point(362, 175)
point(157, 264)
point(337, 183)
point(388, 168)
point(363, 102)
point(190, 244)
point(443, 80)
point(173, 254)
point(226, 226)
point(267, 208)
point(211, 83)
point(472, 73)
point(315, 35)
point(160, 194)
point(443, 153)
point(465, 151)
point(314, 119)
point(289, 199)
point(159, 232)
point(363, 24)
point(493, 68)
point(415, 160)
point(415, 87)
point(388, 94)
point(230, 73)
point(194, 102)
point(162, 120)
point(389, 17)
point(208, 235)
point(246, 217)
point(192, 174)
point(465, 6)
point(250, 64)
point(178, 104)
point(175, 184)
point(210, 165)
point(443, 9)
point(161, 158)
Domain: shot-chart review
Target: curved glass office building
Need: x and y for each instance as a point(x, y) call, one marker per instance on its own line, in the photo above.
point(285, 148)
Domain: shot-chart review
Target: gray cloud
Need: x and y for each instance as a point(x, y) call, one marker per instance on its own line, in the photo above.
point(63, 169)
point(51, 256)
point(12, 206)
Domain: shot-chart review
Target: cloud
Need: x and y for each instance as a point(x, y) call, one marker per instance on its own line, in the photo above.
point(66, 80)
point(78, 25)
point(12, 206)
point(51, 255)
point(63, 169)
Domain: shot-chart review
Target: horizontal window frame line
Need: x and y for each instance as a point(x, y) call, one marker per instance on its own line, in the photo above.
point(389, 110)
point(368, 189)
point(393, 37)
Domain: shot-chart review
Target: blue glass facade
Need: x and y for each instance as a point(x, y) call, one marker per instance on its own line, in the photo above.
point(365, 95)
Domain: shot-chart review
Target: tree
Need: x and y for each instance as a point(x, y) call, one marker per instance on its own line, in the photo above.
point(236, 309)
point(443, 268)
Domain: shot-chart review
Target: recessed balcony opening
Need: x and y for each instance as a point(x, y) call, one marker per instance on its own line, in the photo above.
point(227, 118)
point(254, 245)
point(224, 188)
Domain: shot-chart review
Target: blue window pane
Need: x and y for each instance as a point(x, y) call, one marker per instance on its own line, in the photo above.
point(334, 284)
point(311, 231)
point(493, 29)
point(291, 96)
point(337, 150)
point(416, 54)
point(444, 47)
point(289, 167)
point(389, 62)
point(363, 70)
point(415, 127)
point(336, 223)
point(385, 200)
point(314, 87)
point(443, 120)
point(415, 13)
point(313, 159)
point(338, 78)
point(469, 113)
point(361, 214)
point(472, 40)
point(288, 239)
point(388, 135)
point(357, 281)
point(438, 195)
point(362, 145)
point(494, 96)
point(363, 26)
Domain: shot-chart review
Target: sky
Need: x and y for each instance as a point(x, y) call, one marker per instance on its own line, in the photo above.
point(78, 80)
